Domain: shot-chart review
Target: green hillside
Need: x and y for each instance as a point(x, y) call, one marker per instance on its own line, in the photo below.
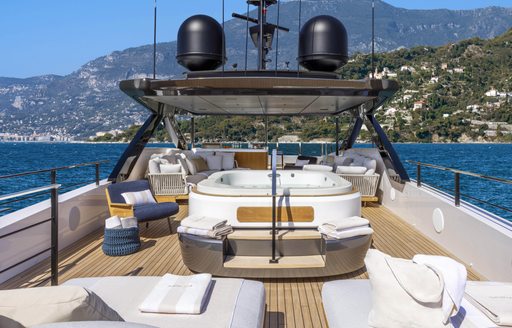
point(447, 84)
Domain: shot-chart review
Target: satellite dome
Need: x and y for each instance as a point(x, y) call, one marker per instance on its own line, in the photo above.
point(200, 44)
point(323, 44)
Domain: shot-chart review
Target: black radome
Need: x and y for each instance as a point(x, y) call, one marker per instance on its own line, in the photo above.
point(200, 44)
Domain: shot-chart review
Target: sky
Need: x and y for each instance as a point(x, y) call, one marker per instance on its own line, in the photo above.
point(58, 36)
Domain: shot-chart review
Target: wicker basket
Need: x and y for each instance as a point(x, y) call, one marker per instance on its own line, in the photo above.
point(365, 184)
point(119, 242)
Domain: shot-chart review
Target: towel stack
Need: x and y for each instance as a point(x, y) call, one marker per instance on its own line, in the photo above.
point(205, 227)
point(115, 222)
point(345, 228)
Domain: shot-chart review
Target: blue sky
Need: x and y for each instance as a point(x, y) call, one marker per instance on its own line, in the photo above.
point(58, 36)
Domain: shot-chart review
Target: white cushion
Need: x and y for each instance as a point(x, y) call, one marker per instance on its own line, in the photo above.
point(138, 197)
point(40, 305)
point(301, 162)
point(204, 153)
point(228, 160)
point(317, 168)
point(370, 172)
point(351, 170)
point(170, 168)
point(154, 166)
point(214, 162)
point(404, 293)
point(184, 165)
point(170, 158)
point(370, 164)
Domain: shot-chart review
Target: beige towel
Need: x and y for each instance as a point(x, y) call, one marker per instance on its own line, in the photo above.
point(345, 223)
point(202, 222)
point(493, 299)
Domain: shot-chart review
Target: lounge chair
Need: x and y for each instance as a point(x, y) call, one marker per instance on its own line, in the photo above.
point(232, 302)
point(347, 303)
point(144, 212)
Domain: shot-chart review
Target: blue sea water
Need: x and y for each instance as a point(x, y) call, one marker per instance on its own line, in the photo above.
point(488, 159)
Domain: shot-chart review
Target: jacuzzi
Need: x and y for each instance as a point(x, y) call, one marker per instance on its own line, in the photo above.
point(305, 198)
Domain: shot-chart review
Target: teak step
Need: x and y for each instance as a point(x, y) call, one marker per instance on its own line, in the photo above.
point(262, 262)
point(265, 234)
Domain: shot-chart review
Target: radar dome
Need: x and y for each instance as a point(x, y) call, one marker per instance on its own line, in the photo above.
point(200, 44)
point(323, 44)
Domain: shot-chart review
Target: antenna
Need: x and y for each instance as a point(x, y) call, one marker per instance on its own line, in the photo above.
point(277, 37)
point(154, 43)
point(300, 23)
point(246, 36)
point(373, 39)
point(223, 40)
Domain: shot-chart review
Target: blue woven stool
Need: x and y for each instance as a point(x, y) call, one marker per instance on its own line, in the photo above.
point(119, 242)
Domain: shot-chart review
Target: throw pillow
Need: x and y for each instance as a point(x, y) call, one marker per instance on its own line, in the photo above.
point(170, 168)
point(40, 305)
point(351, 170)
point(228, 160)
point(214, 163)
point(301, 162)
point(404, 294)
point(138, 197)
point(154, 166)
point(199, 164)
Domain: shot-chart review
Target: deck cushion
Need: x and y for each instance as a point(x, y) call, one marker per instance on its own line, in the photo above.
point(34, 306)
point(148, 212)
point(94, 324)
point(347, 304)
point(195, 179)
point(234, 303)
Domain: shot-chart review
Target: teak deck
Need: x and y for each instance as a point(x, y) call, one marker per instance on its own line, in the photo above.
point(290, 302)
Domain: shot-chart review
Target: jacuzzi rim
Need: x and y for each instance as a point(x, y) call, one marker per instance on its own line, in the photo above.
point(195, 191)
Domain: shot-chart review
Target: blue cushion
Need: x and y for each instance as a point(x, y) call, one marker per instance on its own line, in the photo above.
point(116, 189)
point(148, 212)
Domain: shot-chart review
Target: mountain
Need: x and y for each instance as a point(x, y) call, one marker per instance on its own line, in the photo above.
point(88, 100)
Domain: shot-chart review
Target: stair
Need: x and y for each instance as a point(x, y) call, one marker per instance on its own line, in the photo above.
point(262, 262)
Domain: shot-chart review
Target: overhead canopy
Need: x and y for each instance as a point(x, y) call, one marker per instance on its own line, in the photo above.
point(258, 94)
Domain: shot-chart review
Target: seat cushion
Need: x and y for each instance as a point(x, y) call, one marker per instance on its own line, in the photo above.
point(148, 212)
point(347, 304)
point(94, 324)
point(116, 189)
point(234, 303)
point(196, 178)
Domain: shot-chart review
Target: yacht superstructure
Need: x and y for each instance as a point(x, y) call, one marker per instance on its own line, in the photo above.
point(274, 212)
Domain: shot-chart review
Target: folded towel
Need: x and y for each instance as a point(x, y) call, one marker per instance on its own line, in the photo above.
point(454, 276)
point(178, 294)
point(202, 222)
point(347, 233)
point(345, 223)
point(217, 233)
point(130, 222)
point(493, 299)
point(113, 223)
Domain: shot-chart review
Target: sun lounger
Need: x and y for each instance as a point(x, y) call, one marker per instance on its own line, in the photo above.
point(347, 304)
point(231, 302)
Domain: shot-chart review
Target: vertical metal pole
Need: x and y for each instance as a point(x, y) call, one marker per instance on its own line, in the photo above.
point(457, 189)
point(418, 175)
point(274, 192)
point(337, 135)
point(373, 38)
point(261, 59)
point(154, 44)
point(54, 231)
point(192, 131)
point(266, 131)
point(97, 174)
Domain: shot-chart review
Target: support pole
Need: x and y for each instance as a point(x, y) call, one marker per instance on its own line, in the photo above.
point(192, 131)
point(337, 135)
point(457, 189)
point(266, 131)
point(274, 195)
point(54, 230)
point(261, 21)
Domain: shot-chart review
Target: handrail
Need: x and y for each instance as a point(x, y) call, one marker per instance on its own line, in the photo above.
point(444, 168)
point(29, 192)
point(457, 173)
point(52, 169)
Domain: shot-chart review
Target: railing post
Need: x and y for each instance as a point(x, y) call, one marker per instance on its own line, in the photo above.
point(274, 193)
point(54, 230)
point(457, 189)
point(418, 174)
point(97, 174)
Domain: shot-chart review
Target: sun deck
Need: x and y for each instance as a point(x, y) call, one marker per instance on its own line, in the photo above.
point(290, 302)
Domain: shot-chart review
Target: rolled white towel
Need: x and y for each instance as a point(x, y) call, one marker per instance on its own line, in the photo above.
point(347, 233)
point(113, 222)
point(454, 276)
point(129, 222)
point(345, 223)
point(202, 222)
point(178, 294)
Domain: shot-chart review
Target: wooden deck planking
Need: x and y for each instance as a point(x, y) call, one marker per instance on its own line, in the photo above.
point(290, 302)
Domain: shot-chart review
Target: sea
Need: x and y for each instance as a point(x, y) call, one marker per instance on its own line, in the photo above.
point(486, 159)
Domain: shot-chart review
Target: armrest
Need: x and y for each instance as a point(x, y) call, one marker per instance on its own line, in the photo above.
point(121, 206)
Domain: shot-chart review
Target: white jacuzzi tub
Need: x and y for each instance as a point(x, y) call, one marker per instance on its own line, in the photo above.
point(224, 194)
point(294, 183)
